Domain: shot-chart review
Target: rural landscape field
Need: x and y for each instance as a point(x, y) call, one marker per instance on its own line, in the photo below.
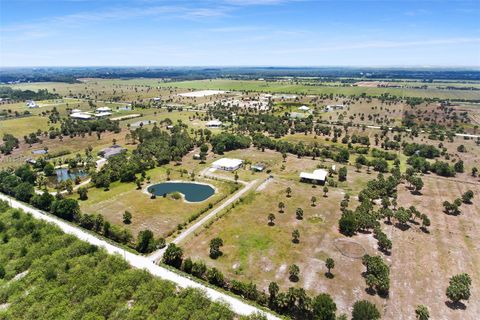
point(243, 160)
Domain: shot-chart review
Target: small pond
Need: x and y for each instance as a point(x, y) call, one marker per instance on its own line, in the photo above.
point(64, 174)
point(193, 192)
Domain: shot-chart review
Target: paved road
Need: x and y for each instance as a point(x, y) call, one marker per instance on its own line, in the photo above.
point(237, 305)
point(157, 255)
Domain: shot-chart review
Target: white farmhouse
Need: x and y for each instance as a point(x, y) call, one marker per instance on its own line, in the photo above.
point(227, 164)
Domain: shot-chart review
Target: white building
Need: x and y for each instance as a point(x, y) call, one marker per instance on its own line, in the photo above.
point(32, 104)
point(214, 124)
point(76, 111)
point(81, 116)
point(332, 107)
point(103, 109)
point(304, 108)
point(102, 114)
point(227, 164)
point(317, 176)
point(156, 99)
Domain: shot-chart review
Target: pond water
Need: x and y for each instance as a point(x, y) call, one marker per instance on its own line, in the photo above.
point(193, 192)
point(64, 174)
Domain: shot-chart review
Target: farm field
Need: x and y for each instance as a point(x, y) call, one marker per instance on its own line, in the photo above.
point(130, 89)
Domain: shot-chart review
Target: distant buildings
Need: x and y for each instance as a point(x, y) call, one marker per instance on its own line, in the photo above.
point(227, 164)
point(303, 108)
point(214, 124)
point(31, 104)
point(332, 107)
point(317, 176)
point(80, 116)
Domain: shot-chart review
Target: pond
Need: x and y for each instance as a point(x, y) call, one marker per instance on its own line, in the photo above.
point(193, 192)
point(64, 174)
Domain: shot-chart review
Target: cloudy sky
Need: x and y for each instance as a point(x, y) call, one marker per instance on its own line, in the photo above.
point(236, 32)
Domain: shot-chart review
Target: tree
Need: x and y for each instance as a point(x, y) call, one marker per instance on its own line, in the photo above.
point(313, 200)
point(421, 312)
point(330, 264)
point(215, 277)
point(296, 236)
point(43, 201)
point(281, 207)
point(273, 290)
point(145, 241)
point(271, 219)
point(293, 271)
point(365, 310)
point(474, 172)
point(289, 192)
point(458, 166)
point(215, 245)
point(2, 272)
point(69, 186)
point(459, 288)
point(347, 223)
point(425, 222)
point(342, 174)
point(24, 191)
point(358, 166)
point(173, 256)
point(83, 193)
point(67, 209)
point(325, 191)
point(323, 307)
point(417, 184)
point(49, 169)
point(467, 197)
point(127, 217)
point(299, 213)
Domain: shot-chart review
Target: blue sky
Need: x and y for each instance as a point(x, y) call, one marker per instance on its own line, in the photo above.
point(235, 32)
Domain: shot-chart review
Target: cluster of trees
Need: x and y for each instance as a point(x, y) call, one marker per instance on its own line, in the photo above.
point(365, 217)
point(377, 275)
point(20, 184)
point(9, 143)
point(156, 147)
point(64, 272)
point(453, 208)
point(227, 141)
point(15, 94)
point(420, 164)
point(422, 150)
point(71, 127)
point(300, 149)
point(294, 302)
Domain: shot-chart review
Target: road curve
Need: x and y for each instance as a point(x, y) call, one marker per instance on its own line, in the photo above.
point(137, 261)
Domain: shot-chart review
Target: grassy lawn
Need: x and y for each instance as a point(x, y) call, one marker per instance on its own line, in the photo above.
point(161, 215)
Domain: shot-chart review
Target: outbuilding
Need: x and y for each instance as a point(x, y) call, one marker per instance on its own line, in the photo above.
point(81, 116)
point(317, 176)
point(227, 164)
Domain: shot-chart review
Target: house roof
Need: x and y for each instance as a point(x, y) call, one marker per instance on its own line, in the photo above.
point(304, 108)
point(319, 174)
point(79, 115)
point(227, 163)
point(214, 123)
